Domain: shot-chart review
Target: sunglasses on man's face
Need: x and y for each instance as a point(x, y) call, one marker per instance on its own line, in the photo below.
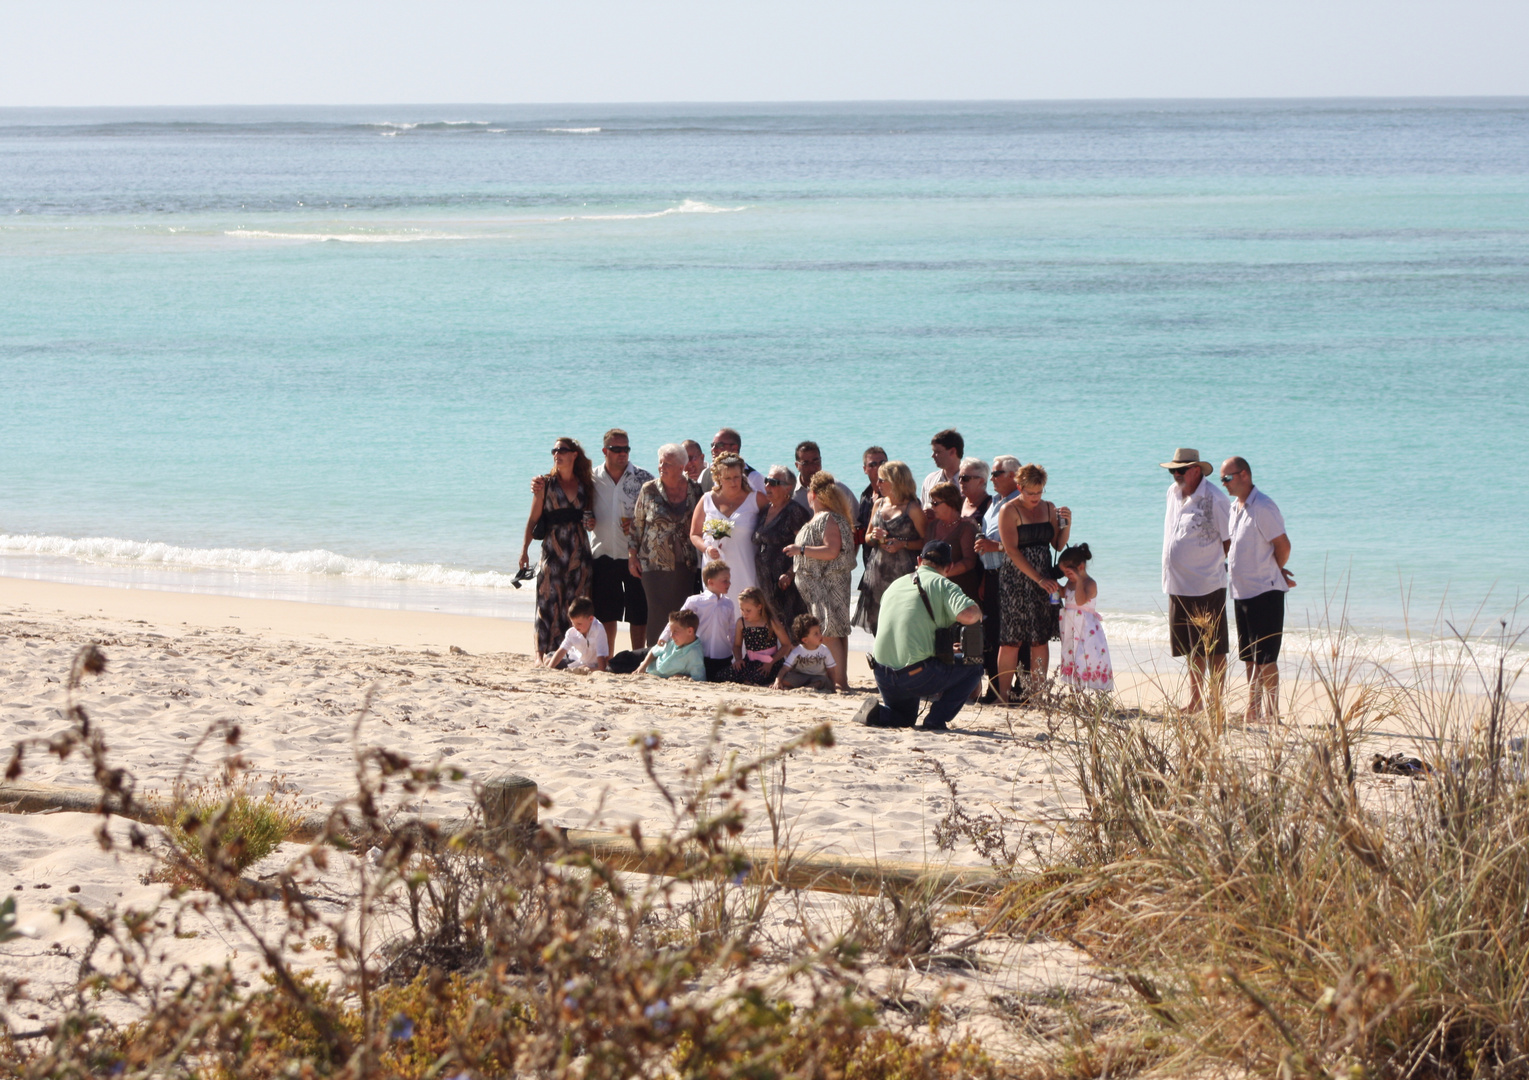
point(1000, 472)
point(1178, 474)
point(618, 449)
point(968, 479)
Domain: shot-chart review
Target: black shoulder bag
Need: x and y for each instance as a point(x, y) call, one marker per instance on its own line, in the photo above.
point(955, 644)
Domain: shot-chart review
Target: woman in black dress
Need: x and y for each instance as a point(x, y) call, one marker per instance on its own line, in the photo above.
point(563, 501)
point(776, 527)
point(1030, 528)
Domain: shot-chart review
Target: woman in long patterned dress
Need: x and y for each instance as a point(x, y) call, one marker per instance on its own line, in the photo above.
point(825, 557)
point(1030, 528)
point(662, 554)
point(565, 497)
point(893, 540)
point(777, 526)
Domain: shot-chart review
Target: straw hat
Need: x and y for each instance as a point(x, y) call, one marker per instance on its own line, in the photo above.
point(1184, 457)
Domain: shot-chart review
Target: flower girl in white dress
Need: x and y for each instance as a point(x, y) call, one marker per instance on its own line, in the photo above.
point(1085, 652)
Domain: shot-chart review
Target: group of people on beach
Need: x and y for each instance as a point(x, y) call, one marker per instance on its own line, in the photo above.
point(749, 572)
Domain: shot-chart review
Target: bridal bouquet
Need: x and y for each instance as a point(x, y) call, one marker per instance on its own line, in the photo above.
point(718, 528)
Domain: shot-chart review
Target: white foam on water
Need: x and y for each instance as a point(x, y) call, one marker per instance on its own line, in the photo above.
point(317, 561)
point(343, 238)
point(689, 206)
point(572, 131)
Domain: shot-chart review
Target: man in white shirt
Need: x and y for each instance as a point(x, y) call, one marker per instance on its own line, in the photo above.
point(946, 449)
point(728, 441)
point(809, 462)
point(616, 592)
point(1196, 536)
point(1256, 565)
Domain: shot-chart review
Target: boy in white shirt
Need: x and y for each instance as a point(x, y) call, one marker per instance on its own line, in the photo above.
point(718, 617)
point(807, 664)
point(585, 647)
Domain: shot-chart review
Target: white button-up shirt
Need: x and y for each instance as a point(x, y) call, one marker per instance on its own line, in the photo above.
point(615, 503)
point(1194, 530)
point(994, 560)
point(1255, 524)
point(719, 621)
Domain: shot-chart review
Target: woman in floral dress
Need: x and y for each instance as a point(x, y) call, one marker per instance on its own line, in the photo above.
point(662, 554)
point(894, 539)
point(565, 497)
point(825, 557)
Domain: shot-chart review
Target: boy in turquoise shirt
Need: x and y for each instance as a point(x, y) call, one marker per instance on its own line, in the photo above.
point(681, 654)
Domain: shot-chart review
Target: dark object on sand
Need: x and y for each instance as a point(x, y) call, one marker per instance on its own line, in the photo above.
point(1400, 765)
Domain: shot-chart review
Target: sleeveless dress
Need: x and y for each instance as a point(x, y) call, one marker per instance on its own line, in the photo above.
point(770, 560)
point(566, 570)
point(757, 672)
point(1026, 614)
point(1085, 652)
point(882, 567)
point(824, 583)
point(737, 548)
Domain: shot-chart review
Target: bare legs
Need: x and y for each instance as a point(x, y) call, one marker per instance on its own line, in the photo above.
point(1263, 691)
point(1197, 678)
point(639, 634)
point(1008, 660)
point(838, 648)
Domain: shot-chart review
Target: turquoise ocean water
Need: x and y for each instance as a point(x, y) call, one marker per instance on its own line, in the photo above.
point(319, 352)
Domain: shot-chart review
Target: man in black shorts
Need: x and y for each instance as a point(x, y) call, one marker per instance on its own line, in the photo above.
point(1256, 566)
point(618, 594)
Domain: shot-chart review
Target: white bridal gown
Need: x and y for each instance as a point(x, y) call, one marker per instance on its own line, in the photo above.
point(737, 549)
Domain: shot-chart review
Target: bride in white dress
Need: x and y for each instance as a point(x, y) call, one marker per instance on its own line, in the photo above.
point(732, 501)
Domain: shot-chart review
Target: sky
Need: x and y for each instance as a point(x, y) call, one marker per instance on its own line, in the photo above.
point(154, 52)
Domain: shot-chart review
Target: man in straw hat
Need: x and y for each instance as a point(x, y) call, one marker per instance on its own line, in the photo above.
point(1196, 536)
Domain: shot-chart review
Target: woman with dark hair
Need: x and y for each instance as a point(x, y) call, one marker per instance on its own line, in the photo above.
point(946, 523)
point(776, 527)
point(562, 501)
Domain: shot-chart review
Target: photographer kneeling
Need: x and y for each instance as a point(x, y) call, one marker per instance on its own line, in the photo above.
point(904, 659)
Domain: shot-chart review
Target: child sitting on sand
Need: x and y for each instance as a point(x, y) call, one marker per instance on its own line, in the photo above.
point(759, 640)
point(1085, 652)
point(716, 615)
point(680, 654)
point(808, 663)
point(584, 648)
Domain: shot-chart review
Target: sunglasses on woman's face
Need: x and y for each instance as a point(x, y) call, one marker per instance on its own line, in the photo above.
point(770, 481)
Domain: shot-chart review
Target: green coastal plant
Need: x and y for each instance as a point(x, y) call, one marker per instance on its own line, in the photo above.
point(224, 827)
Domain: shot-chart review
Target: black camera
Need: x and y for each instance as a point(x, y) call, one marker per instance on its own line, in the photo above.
point(525, 573)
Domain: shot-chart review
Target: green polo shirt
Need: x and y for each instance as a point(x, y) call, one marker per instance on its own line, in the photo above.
point(904, 634)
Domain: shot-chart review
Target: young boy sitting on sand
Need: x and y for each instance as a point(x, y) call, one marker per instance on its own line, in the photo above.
point(718, 615)
point(681, 653)
point(808, 663)
point(585, 647)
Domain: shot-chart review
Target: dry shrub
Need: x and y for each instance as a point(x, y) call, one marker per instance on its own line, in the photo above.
point(1272, 914)
point(469, 953)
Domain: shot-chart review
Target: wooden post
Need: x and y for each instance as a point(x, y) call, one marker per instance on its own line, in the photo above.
point(509, 809)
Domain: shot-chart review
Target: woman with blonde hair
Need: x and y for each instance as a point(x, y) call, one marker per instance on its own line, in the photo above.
point(562, 503)
point(894, 538)
point(722, 526)
point(824, 555)
point(1029, 528)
